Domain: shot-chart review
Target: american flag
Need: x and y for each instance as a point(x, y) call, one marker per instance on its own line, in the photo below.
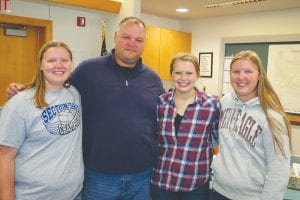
point(103, 48)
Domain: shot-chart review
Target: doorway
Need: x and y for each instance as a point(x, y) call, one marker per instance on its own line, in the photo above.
point(18, 54)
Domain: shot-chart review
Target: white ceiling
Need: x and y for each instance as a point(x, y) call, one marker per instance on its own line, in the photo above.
point(166, 8)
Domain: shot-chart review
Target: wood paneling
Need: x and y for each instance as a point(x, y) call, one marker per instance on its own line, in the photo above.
point(103, 5)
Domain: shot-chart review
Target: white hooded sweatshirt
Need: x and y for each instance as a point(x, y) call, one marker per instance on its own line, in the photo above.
point(248, 167)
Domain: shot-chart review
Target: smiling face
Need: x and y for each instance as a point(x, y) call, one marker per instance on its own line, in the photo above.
point(56, 66)
point(244, 77)
point(129, 43)
point(184, 76)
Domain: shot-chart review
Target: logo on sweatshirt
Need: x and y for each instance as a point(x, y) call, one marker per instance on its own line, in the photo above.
point(241, 123)
point(61, 119)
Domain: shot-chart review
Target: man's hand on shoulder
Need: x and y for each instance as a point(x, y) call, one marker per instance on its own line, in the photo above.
point(13, 89)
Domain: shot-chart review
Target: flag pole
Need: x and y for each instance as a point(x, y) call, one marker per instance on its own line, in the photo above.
point(103, 47)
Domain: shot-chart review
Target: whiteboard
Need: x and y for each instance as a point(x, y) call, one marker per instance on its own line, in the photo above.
point(284, 74)
point(226, 86)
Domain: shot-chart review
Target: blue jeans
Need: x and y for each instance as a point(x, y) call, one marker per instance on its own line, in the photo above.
point(217, 196)
point(99, 186)
point(197, 194)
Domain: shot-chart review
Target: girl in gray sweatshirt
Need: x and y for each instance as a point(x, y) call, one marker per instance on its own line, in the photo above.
point(254, 158)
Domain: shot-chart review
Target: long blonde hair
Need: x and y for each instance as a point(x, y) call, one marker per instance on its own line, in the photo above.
point(268, 100)
point(39, 80)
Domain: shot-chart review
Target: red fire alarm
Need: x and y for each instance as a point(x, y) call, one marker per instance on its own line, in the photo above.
point(80, 21)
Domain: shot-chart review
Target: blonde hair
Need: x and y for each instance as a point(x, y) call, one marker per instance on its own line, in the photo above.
point(38, 81)
point(185, 57)
point(268, 99)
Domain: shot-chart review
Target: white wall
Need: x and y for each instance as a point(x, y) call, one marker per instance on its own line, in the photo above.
point(161, 22)
point(209, 35)
point(296, 139)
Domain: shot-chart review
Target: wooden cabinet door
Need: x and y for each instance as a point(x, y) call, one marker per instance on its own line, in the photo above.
point(172, 42)
point(161, 45)
point(151, 51)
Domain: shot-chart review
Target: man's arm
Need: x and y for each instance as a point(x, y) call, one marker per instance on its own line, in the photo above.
point(7, 172)
point(13, 89)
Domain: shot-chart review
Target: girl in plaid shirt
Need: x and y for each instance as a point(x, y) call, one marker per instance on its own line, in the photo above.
point(188, 126)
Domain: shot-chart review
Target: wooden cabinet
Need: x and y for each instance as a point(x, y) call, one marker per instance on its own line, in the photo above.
point(161, 45)
point(151, 51)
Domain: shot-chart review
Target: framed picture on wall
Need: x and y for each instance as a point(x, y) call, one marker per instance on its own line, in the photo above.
point(206, 63)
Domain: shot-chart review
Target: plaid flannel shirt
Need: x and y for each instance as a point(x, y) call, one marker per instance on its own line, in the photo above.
point(183, 162)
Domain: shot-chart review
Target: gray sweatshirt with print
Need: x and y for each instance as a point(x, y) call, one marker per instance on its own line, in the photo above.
point(248, 167)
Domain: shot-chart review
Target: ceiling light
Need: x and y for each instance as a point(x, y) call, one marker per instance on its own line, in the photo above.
point(182, 10)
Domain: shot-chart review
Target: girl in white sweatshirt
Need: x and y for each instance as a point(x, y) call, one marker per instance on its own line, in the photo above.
point(254, 158)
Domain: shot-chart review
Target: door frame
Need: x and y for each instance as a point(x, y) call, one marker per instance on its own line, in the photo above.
point(44, 26)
